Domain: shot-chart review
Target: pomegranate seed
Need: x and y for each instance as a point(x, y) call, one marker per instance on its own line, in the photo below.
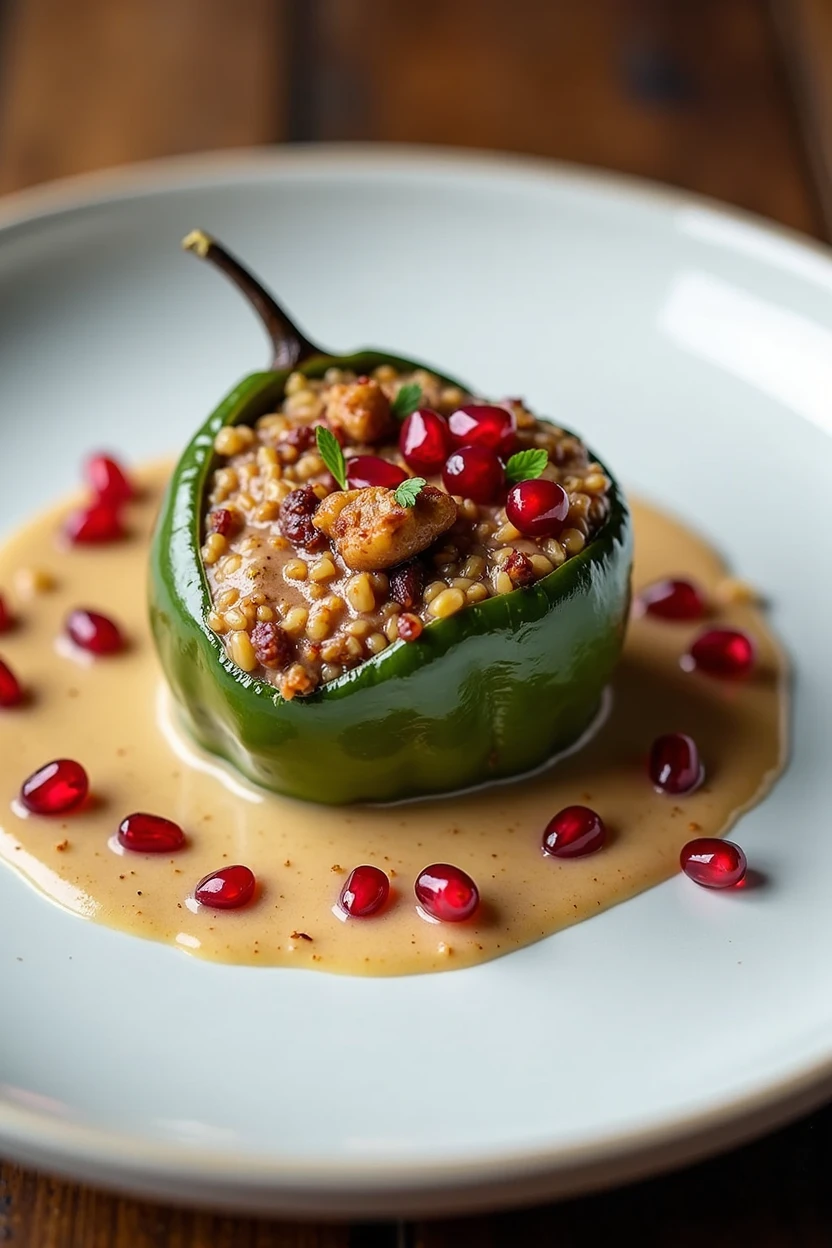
point(99, 523)
point(6, 619)
point(573, 832)
point(55, 788)
point(365, 892)
point(538, 508)
point(366, 470)
point(713, 863)
point(723, 652)
point(150, 834)
point(447, 893)
point(425, 441)
point(227, 888)
point(674, 765)
point(483, 424)
point(11, 690)
point(109, 480)
point(94, 632)
point(475, 472)
point(409, 627)
point(673, 600)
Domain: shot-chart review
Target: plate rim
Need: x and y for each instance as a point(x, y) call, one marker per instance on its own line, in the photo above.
point(388, 1186)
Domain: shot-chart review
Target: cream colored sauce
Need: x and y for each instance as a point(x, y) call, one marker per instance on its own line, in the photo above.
point(105, 713)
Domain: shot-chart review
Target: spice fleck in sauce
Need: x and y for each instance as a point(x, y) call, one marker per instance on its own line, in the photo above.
point(114, 717)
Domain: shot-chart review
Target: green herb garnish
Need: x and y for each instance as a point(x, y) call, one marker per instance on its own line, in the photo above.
point(409, 491)
point(526, 465)
point(406, 401)
point(329, 449)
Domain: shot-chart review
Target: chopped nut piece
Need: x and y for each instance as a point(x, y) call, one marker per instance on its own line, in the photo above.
point(372, 531)
point(361, 410)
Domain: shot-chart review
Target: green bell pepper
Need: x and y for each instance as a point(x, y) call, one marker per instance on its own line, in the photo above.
point(490, 692)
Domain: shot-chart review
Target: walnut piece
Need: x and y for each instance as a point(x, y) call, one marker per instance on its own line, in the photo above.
point(361, 410)
point(371, 530)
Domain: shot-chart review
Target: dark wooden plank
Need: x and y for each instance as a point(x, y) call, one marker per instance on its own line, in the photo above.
point(94, 82)
point(687, 91)
point(772, 1194)
point(805, 31)
point(37, 1212)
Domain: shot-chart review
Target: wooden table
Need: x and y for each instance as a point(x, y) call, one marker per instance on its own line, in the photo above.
point(732, 98)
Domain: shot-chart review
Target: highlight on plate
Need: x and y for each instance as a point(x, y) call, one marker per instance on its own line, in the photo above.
point(374, 593)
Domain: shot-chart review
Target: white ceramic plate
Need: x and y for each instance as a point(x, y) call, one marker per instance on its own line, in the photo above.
point(695, 348)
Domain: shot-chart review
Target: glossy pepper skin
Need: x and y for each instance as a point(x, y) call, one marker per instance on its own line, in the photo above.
point(490, 692)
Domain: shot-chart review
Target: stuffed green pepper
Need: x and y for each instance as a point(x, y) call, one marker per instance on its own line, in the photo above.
point(368, 583)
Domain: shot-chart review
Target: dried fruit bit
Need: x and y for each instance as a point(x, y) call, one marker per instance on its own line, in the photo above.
point(296, 512)
point(226, 889)
point(520, 568)
point(407, 582)
point(574, 832)
point(672, 599)
point(108, 480)
point(446, 893)
point(674, 765)
point(713, 863)
point(721, 652)
point(409, 627)
point(55, 788)
point(273, 647)
point(94, 525)
point(11, 690)
point(150, 834)
point(224, 521)
point(365, 892)
point(89, 630)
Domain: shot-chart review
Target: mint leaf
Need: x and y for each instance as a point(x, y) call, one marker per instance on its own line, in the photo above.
point(409, 491)
point(330, 452)
point(406, 401)
point(526, 465)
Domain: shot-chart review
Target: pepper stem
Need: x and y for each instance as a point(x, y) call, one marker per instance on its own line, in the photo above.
point(291, 346)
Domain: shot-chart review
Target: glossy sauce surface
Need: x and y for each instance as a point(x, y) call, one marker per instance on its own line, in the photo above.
point(113, 715)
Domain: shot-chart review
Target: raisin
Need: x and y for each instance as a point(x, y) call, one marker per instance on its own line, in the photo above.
point(407, 582)
point(272, 645)
point(296, 512)
point(520, 568)
point(223, 521)
point(301, 438)
point(410, 627)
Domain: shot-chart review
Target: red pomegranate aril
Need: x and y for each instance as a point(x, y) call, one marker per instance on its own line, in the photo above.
point(425, 441)
point(538, 508)
point(109, 480)
point(365, 892)
point(11, 690)
point(723, 652)
point(474, 472)
point(674, 765)
point(150, 834)
point(673, 600)
point(483, 424)
point(713, 863)
point(55, 788)
point(91, 631)
point(96, 524)
point(5, 616)
point(367, 470)
point(226, 889)
point(574, 832)
point(447, 893)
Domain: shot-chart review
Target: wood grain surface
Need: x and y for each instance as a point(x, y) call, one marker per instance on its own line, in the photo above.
point(731, 98)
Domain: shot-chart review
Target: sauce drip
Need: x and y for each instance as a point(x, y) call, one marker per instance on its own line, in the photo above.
point(107, 715)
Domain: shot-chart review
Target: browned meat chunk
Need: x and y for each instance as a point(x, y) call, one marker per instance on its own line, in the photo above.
point(372, 531)
point(361, 410)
